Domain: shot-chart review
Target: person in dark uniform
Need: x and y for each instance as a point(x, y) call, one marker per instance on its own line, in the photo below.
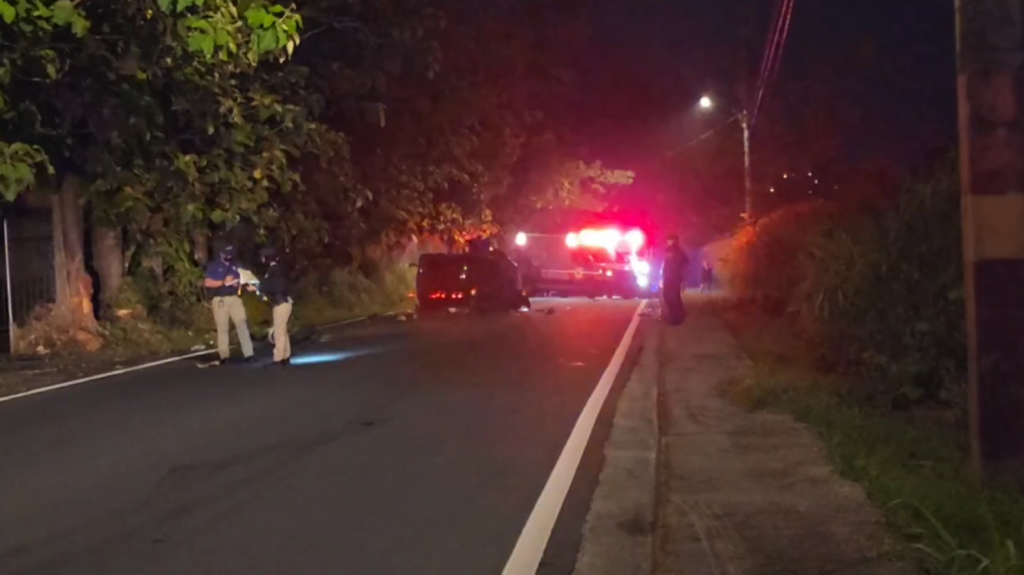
point(223, 284)
point(276, 288)
point(673, 274)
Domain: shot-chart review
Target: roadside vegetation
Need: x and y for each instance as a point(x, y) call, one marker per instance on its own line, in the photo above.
point(344, 133)
point(853, 315)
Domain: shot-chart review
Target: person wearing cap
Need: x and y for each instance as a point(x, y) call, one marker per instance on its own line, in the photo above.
point(223, 284)
point(275, 287)
point(673, 275)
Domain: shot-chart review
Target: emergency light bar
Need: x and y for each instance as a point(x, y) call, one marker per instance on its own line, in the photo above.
point(608, 238)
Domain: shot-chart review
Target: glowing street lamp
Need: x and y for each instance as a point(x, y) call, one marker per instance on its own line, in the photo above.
point(706, 103)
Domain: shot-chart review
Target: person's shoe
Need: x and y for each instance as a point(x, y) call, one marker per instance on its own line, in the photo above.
point(249, 359)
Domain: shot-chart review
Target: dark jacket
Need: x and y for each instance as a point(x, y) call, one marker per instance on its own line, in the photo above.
point(275, 285)
point(674, 269)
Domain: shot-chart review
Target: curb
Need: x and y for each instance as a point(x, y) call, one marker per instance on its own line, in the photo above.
point(159, 362)
point(618, 535)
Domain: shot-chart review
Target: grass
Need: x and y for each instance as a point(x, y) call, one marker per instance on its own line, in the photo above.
point(913, 465)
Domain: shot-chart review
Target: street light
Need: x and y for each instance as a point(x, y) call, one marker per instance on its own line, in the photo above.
point(706, 103)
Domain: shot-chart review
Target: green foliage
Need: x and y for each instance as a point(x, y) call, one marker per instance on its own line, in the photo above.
point(879, 293)
point(909, 257)
point(765, 263)
point(328, 127)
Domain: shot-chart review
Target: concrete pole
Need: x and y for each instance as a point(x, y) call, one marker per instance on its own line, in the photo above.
point(990, 58)
point(748, 186)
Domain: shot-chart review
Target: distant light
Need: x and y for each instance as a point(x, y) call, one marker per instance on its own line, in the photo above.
point(809, 174)
point(815, 181)
point(521, 239)
point(706, 103)
point(642, 267)
point(608, 273)
point(572, 240)
point(772, 190)
point(785, 176)
point(643, 281)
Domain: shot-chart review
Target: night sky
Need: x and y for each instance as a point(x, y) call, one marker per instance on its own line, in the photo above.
point(890, 64)
point(870, 82)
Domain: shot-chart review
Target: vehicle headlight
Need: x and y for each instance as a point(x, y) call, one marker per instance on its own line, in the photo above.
point(643, 281)
point(642, 268)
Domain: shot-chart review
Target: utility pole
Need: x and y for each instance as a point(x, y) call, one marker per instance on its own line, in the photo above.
point(748, 186)
point(990, 55)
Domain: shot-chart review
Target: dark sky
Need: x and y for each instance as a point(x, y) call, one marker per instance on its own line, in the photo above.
point(887, 65)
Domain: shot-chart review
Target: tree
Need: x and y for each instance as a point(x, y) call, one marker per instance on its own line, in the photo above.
point(119, 101)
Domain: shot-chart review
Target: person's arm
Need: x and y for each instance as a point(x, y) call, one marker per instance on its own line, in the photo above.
point(217, 277)
point(212, 279)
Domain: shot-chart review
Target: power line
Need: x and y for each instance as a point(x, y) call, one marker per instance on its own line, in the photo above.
point(773, 53)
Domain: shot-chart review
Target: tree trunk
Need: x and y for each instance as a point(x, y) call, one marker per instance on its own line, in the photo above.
point(154, 261)
point(201, 246)
point(74, 286)
point(108, 259)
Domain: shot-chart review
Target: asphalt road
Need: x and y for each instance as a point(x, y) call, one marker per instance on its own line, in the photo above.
point(394, 448)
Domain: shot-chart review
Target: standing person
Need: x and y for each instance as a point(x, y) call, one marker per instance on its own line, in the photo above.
point(275, 287)
point(673, 273)
point(707, 278)
point(222, 281)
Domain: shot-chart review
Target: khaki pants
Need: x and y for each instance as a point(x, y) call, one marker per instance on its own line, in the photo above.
point(228, 310)
point(282, 344)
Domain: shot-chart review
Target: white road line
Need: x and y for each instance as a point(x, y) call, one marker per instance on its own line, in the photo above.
point(104, 375)
point(140, 367)
point(533, 540)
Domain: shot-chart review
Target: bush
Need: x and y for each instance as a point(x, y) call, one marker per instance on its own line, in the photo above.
point(877, 292)
point(885, 297)
point(764, 263)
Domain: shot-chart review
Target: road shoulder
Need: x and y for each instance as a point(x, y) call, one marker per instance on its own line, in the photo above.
point(618, 532)
point(743, 492)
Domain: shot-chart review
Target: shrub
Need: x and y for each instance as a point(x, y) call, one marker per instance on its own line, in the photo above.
point(885, 297)
point(877, 292)
point(764, 261)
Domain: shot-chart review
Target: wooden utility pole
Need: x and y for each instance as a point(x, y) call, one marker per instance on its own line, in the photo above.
point(990, 55)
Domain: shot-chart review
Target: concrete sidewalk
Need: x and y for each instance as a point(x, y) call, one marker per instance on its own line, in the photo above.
point(747, 493)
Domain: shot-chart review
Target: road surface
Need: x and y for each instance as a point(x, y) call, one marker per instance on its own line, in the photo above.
point(394, 448)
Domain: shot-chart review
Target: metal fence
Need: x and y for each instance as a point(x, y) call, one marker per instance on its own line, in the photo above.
point(28, 244)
